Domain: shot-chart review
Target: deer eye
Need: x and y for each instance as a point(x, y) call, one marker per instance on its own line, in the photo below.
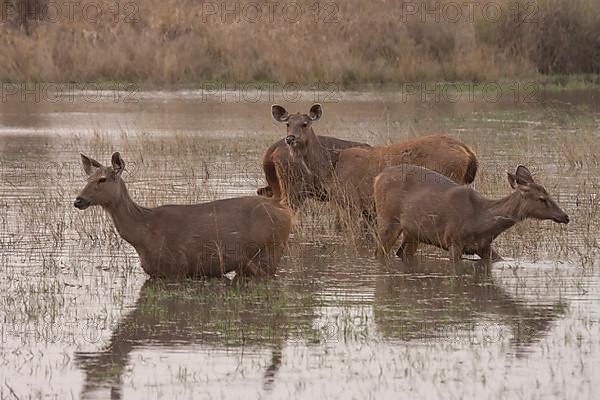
point(102, 180)
point(287, 124)
point(544, 200)
point(305, 124)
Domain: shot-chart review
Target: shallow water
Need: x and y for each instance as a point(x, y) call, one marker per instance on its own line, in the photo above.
point(80, 320)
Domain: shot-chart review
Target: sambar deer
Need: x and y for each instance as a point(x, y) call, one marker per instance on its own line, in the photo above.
point(427, 207)
point(278, 156)
point(347, 177)
point(247, 234)
point(286, 166)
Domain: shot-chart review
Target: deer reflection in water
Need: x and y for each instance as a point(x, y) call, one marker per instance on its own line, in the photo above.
point(424, 301)
point(437, 301)
point(216, 314)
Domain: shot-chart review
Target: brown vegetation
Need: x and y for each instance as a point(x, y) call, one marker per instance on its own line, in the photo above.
point(174, 42)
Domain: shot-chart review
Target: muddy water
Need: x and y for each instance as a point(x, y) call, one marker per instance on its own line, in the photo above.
point(80, 320)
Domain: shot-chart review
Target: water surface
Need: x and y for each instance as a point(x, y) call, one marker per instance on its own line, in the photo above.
point(81, 320)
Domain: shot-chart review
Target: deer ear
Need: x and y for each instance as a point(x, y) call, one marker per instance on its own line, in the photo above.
point(316, 112)
point(279, 113)
point(523, 175)
point(89, 164)
point(517, 184)
point(118, 164)
point(512, 180)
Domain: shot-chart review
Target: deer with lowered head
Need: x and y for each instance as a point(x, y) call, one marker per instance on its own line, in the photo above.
point(246, 234)
point(427, 207)
point(347, 178)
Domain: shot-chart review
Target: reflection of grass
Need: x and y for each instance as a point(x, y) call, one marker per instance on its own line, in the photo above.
point(235, 313)
point(423, 306)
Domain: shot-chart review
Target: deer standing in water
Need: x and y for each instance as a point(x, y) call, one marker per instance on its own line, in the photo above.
point(288, 171)
point(349, 180)
point(247, 234)
point(427, 207)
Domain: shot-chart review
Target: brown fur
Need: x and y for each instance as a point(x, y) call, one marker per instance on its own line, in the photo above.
point(295, 186)
point(427, 207)
point(246, 234)
point(347, 178)
point(357, 168)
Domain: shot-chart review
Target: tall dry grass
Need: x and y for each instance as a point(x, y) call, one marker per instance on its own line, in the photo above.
point(557, 37)
point(350, 41)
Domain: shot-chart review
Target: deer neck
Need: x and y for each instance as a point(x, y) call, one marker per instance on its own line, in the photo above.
point(314, 158)
point(505, 212)
point(130, 219)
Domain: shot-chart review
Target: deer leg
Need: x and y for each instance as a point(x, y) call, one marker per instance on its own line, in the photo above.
point(495, 256)
point(251, 269)
point(487, 253)
point(456, 253)
point(339, 215)
point(368, 222)
point(248, 269)
point(408, 248)
point(388, 234)
point(270, 259)
point(254, 268)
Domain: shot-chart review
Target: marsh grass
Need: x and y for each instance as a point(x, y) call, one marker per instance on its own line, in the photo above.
point(569, 175)
point(202, 170)
point(71, 285)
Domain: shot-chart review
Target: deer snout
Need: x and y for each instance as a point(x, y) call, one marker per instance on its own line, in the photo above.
point(563, 219)
point(81, 203)
point(290, 140)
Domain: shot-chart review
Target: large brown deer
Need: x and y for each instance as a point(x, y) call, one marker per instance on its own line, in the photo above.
point(286, 168)
point(348, 179)
point(247, 234)
point(278, 156)
point(427, 207)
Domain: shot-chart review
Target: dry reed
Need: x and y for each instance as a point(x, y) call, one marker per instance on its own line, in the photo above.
point(190, 42)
